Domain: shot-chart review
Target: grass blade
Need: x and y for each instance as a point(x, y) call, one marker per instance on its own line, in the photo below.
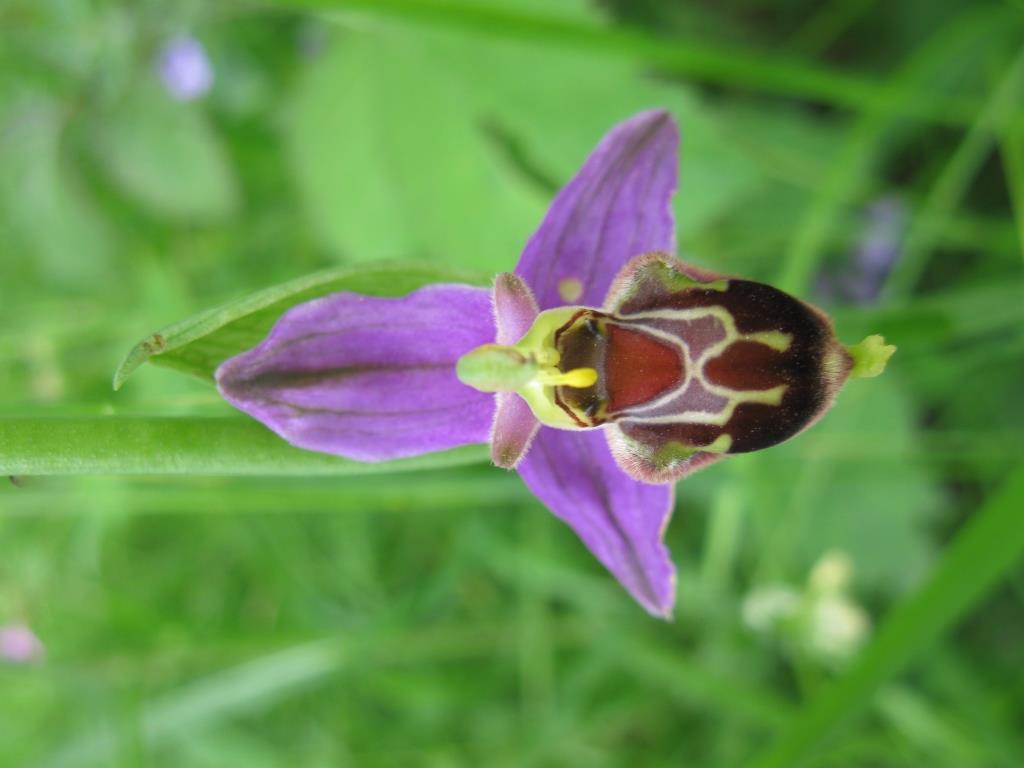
point(1011, 146)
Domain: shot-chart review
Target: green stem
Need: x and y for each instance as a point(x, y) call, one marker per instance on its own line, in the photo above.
point(180, 446)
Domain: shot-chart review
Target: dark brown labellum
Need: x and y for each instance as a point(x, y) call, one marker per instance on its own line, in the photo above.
point(691, 364)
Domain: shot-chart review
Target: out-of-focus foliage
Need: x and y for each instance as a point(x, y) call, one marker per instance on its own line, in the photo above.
point(443, 618)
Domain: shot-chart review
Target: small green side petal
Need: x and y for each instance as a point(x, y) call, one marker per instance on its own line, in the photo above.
point(870, 357)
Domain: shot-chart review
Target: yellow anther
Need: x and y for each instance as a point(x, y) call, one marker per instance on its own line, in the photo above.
point(578, 378)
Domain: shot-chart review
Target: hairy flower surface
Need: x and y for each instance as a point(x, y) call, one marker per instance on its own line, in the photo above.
point(602, 369)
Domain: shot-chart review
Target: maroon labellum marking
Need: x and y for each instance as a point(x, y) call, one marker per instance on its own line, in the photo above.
point(744, 366)
point(765, 366)
point(639, 367)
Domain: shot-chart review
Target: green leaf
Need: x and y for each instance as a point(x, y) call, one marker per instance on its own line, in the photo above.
point(856, 482)
point(48, 220)
point(983, 552)
point(551, 106)
point(165, 155)
point(714, 62)
point(180, 446)
point(200, 343)
point(481, 120)
point(390, 160)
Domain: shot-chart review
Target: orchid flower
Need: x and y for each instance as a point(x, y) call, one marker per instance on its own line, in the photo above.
point(602, 369)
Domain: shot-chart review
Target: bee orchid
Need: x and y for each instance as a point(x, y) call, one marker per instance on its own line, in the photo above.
point(602, 369)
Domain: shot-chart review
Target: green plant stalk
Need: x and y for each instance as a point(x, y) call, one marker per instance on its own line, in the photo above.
point(987, 547)
point(115, 445)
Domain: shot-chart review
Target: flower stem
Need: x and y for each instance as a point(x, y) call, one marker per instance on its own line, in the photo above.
point(117, 445)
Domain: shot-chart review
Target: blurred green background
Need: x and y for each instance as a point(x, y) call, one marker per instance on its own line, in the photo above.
point(160, 158)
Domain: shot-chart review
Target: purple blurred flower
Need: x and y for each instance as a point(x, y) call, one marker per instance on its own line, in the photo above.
point(679, 366)
point(19, 644)
point(884, 223)
point(184, 68)
point(861, 279)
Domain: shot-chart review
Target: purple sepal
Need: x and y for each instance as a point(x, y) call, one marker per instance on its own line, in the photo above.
point(515, 309)
point(620, 520)
point(369, 378)
point(514, 426)
point(617, 206)
point(513, 431)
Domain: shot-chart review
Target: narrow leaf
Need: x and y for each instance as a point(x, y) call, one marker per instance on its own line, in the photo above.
point(1011, 145)
point(371, 153)
point(200, 343)
point(166, 156)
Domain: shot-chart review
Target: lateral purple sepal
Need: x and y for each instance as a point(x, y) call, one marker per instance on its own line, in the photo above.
point(369, 378)
point(620, 520)
point(514, 426)
point(513, 430)
point(515, 308)
point(617, 206)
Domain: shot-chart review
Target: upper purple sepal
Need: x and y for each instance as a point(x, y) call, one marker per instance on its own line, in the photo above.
point(369, 378)
point(617, 206)
point(514, 426)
